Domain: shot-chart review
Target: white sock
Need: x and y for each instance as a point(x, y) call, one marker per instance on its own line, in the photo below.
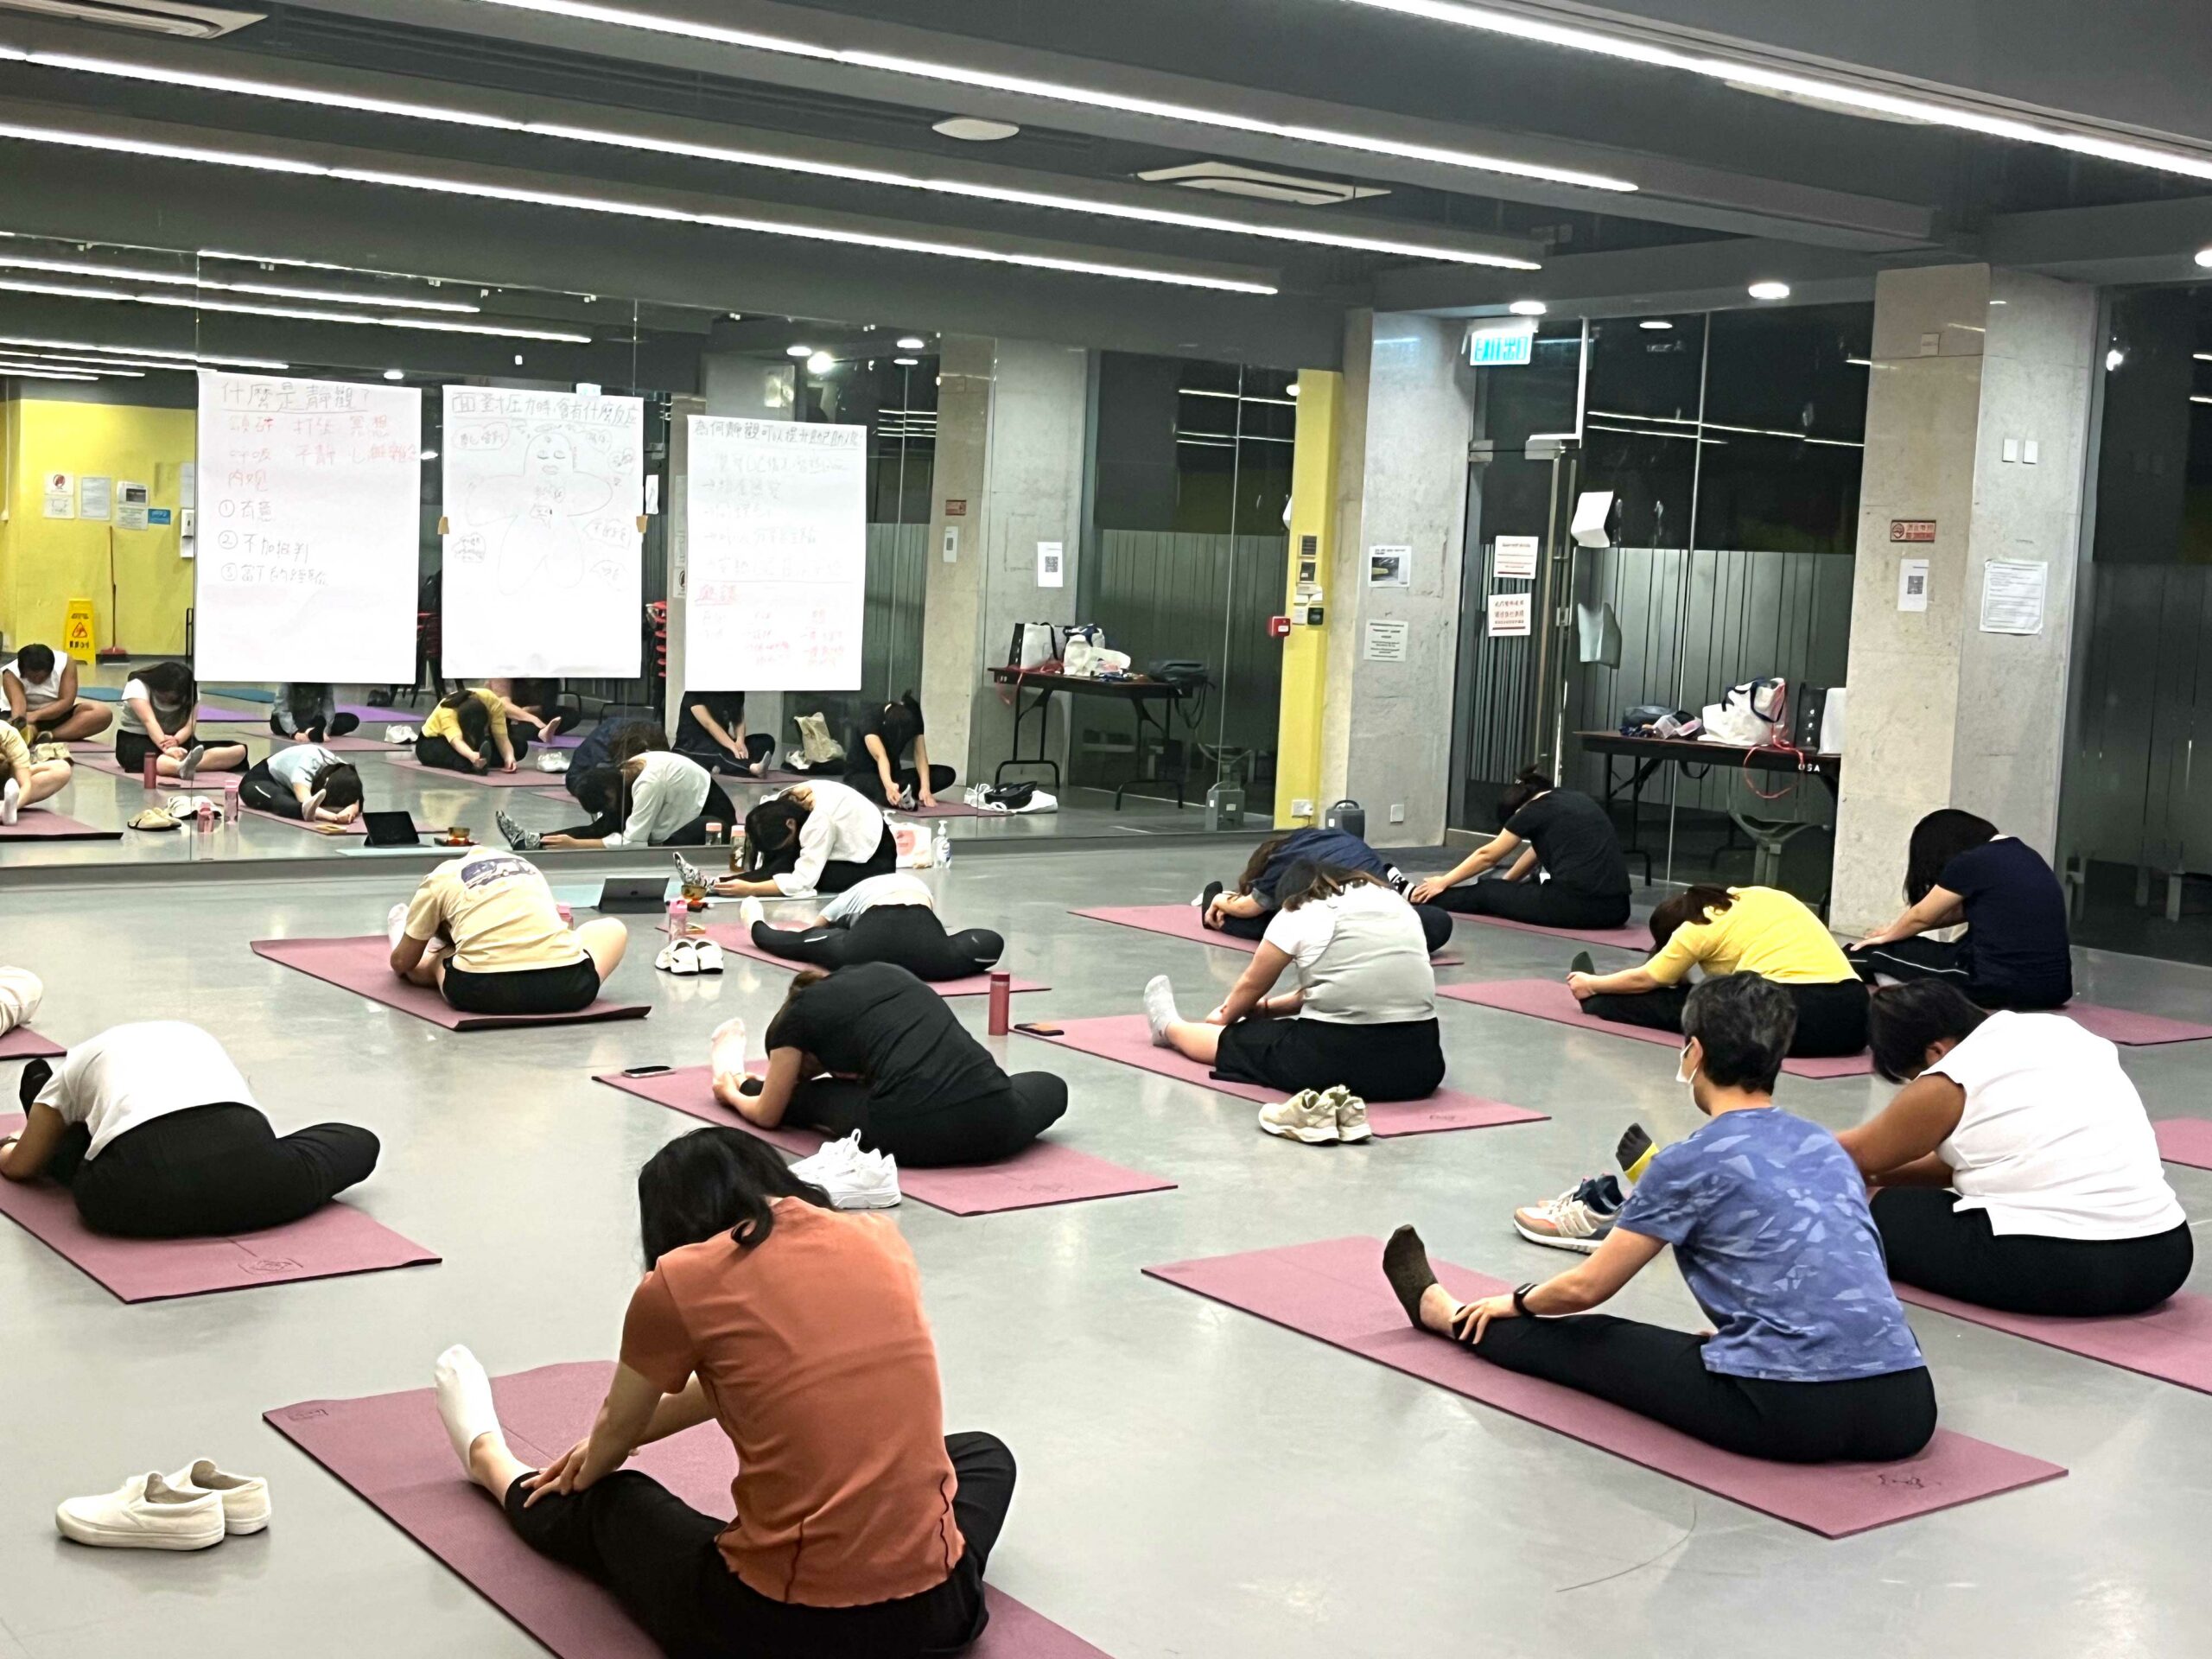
point(188, 762)
point(11, 799)
point(749, 911)
point(394, 923)
point(726, 1050)
point(1159, 1009)
point(464, 1400)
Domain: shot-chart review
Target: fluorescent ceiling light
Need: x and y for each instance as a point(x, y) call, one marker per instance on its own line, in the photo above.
point(1860, 362)
point(2197, 398)
point(905, 362)
point(1859, 100)
point(2204, 258)
point(911, 342)
point(798, 351)
point(975, 129)
point(193, 302)
point(185, 359)
point(1768, 290)
point(1349, 241)
point(1655, 324)
point(1715, 426)
point(1292, 389)
point(2114, 359)
point(970, 76)
point(821, 363)
point(33, 360)
point(178, 279)
point(1234, 397)
point(1527, 307)
point(7, 370)
point(395, 374)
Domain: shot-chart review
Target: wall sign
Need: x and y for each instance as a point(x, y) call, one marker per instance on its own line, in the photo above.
point(1511, 615)
point(1912, 530)
point(1514, 557)
point(955, 508)
point(1389, 567)
point(1912, 584)
point(1387, 641)
point(1501, 344)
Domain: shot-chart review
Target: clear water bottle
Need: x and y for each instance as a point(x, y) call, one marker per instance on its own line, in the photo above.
point(941, 846)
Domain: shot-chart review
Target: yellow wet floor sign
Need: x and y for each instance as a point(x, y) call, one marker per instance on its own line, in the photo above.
point(77, 632)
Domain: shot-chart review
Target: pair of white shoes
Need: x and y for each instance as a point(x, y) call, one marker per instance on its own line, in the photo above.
point(196, 1508)
point(853, 1179)
point(1319, 1117)
point(686, 957)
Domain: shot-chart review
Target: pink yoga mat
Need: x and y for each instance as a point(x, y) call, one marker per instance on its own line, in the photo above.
point(1549, 998)
point(947, 809)
point(1046, 1172)
point(2134, 1029)
point(2185, 1141)
point(1637, 939)
point(1182, 922)
point(525, 776)
point(391, 1449)
point(37, 823)
point(738, 938)
point(350, 743)
point(1335, 1291)
point(2172, 1343)
point(1125, 1037)
point(21, 1043)
point(363, 966)
point(335, 1241)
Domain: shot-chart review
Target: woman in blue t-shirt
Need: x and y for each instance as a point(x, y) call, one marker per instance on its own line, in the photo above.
point(1245, 911)
point(1811, 1360)
point(2014, 953)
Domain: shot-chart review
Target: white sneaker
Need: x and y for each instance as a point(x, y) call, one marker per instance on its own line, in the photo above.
point(1159, 1009)
point(1578, 1219)
point(853, 1179)
point(749, 911)
point(244, 1497)
point(144, 1513)
point(1305, 1116)
point(1351, 1114)
point(689, 873)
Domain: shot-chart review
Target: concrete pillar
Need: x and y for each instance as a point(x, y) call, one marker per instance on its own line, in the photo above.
point(1971, 367)
point(1012, 433)
point(1401, 481)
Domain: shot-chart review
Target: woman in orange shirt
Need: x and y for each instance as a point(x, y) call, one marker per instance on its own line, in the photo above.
point(862, 1528)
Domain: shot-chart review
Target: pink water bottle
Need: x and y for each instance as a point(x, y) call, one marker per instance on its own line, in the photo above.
point(1001, 1002)
point(149, 772)
point(679, 917)
point(206, 814)
point(230, 801)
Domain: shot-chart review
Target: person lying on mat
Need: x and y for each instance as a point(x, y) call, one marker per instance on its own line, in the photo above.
point(1561, 831)
point(305, 782)
point(889, 760)
point(24, 781)
point(2014, 953)
point(1244, 913)
point(40, 690)
point(862, 1528)
point(666, 799)
point(2016, 1168)
point(160, 717)
point(534, 704)
point(711, 730)
point(21, 993)
point(466, 730)
point(872, 1048)
point(485, 931)
point(1720, 930)
point(815, 837)
point(1364, 1014)
point(156, 1135)
point(1811, 1361)
point(885, 919)
point(307, 712)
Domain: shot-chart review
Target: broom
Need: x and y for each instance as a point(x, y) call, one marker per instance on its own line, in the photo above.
point(114, 651)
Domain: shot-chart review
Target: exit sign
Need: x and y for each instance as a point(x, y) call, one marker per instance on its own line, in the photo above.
point(1500, 344)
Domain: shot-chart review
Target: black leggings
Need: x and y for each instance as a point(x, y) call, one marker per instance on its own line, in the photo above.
point(868, 784)
point(1543, 904)
point(908, 935)
point(1659, 1374)
point(1435, 926)
point(437, 752)
point(1921, 957)
point(716, 808)
point(339, 726)
point(660, 1558)
point(1831, 1018)
point(1955, 1252)
point(759, 748)
point(258, 789)
point(981, 1131)
point(208, 1171)
point(837, 874)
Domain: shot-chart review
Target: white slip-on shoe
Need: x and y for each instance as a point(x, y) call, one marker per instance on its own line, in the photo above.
point(144, 1513)
point(1305, 1116)
point(244, 1497)
point(707, 957)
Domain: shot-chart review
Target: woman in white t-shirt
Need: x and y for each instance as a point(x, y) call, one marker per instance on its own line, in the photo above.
point(156, 1135)
point(1363, 1018)
point(2016, 1168)
point(813, 837)
point(304, 782)
point(160, 717)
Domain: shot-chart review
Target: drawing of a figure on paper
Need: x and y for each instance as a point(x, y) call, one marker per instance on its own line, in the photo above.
point(537, 522)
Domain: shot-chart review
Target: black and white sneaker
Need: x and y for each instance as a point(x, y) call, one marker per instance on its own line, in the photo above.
point(521, 840)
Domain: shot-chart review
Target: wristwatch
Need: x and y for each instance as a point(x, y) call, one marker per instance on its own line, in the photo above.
point(1520, 1299)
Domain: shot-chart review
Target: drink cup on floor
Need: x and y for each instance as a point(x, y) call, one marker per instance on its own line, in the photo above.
point(713, 835)
point(150, 770)
point(1002, 1000)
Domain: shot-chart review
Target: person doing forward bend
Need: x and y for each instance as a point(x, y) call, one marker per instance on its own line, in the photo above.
point(1562, 833)
point(41, 700)
point(1362, 1018)
point(156, 1135)
point(160, 717)
point(24, 781)
point(863, 1529)
point(890, 763)
point(306, 783)
point(1244, 913)
point(664, 799)
point(594, 771)
point(816, 837)
point(885, 919)
point(483, 929)
point(307, 712)
point(2015, 952)
point(1720, 930)
point(711, 730)
point(533, 705)
point(2016, 1168)
point(872, 1048)
point(468, 732)
point(1810, 1361)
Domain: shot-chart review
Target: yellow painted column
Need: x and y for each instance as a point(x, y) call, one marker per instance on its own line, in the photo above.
point(1306, 653)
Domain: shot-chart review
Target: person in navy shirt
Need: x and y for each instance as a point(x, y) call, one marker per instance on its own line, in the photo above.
point(1245, 911)
point(1809, 1360)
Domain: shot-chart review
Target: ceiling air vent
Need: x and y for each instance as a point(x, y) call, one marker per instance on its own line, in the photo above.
point(175, 18)
point(1232, 179)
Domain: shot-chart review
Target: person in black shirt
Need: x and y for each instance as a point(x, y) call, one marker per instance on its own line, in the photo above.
point(1244, 913)
point(710, 730)
point(872, 1048)
point(1566, 834)
point(2015, 952)
point(878, 761)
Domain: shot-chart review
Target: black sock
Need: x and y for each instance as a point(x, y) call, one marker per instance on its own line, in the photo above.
point(1213, 893)
point(1405, 1264)
point(1582, 964)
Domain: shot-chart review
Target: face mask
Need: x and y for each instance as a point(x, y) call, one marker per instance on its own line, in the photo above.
point(1685, 1073)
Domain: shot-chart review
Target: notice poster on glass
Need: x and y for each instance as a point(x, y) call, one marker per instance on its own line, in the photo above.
point(777, 554)
point(309, 527)
point(544, 494)
point(1510, 615)
point(1513, 558)
point(2013, 596)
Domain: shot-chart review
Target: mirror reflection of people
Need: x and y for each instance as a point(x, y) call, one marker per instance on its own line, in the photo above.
point(664, 799)
point(25, 781)
point(308, 712)
point(535, 705)
point(468, 732)
point(306, 783)
point(40, 690)
point(2014, 953)
point(1561, 832)
point(711, 730)
point(890, 764)
point(160, 717)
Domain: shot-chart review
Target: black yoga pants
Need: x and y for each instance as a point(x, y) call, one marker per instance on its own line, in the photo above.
point(1435, 926)
point(1921, 957)
point(759, 747)
point(1659, 1374)
point(339, 726)
point(868, 784)
point(658, 1555)
point(259, 790)
point(1953, 1253)
point(838, 875)
point(436, 753)
point(1544, 903)
point(1831, 1018)
point(909, 935)
point(716, 810)
point(979, 1131)
point(208, 1171)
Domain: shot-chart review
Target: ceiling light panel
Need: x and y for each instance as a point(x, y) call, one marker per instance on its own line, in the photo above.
point(178, 279)
point(184, 360)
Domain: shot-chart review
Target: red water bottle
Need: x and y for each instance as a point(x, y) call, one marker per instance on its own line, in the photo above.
point(147, 772)
point(1001, 1002)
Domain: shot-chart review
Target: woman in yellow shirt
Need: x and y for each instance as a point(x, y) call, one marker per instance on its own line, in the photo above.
point(24, 781)
point(1722, 930)
point(465, 731)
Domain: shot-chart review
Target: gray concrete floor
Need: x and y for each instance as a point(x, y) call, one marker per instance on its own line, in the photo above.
point(1194, 1482)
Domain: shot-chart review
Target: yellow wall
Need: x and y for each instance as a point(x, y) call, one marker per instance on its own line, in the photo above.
point(1305, 653)
point(45, 563)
